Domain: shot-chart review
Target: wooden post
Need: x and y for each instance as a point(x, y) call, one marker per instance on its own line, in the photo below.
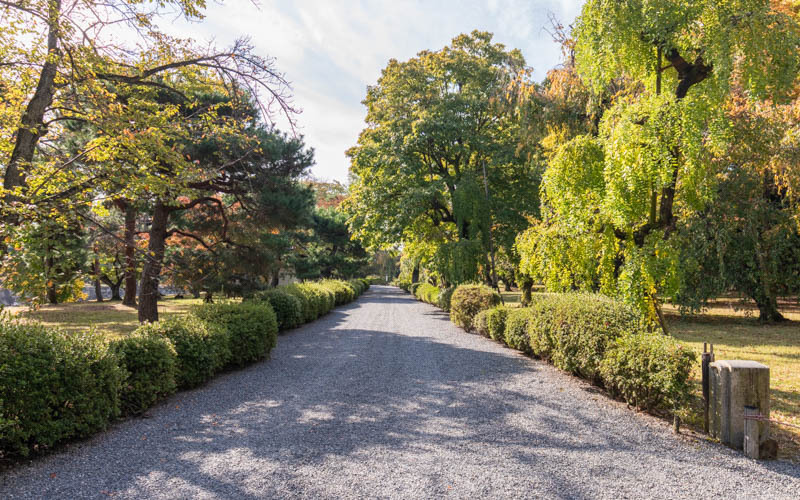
point(751, 432)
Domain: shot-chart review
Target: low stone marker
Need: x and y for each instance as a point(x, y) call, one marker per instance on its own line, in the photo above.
point(734, 385)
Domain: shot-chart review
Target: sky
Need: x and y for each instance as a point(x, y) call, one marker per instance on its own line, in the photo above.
point(331, 50)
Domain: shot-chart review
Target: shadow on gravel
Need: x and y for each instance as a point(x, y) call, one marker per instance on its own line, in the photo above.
point(321, 399)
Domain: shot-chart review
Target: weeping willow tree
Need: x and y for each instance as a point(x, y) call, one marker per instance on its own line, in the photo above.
point(438, 168)
point(614, 199)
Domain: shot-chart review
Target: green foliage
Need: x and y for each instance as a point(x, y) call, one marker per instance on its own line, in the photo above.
point(575, 330)
point(468, 300)
point(54, 386)
point(403, 284)
point(516, 329)
point(343, 292)
point(413, 288)
point(428, 293)
point(496, 322)
point(480, 324)
point(427, 191)
point(329, 249)
point(150, 364)
point(735, 38)
point(252, 328)
point(672, 77)
point(202, 348)
point(307, 301)
point(445, 295)
point(46, 261)
point(326, 296)
point(288, 308)
point(648, 370)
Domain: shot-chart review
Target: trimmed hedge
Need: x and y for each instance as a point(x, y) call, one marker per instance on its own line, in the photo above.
point(468, 300)
point(445, 295)
point(480, 324)
point(428, 293)
point(54, 386)
point(306, 299)
point(326, 298)
point(343, 292)
point(496, 322)
point(403, 284)
point(150, 364)
point(252, 328)
point(516, 329)
point(648, 370)
point(574, 330)
point(288, 308)
point(202, 348)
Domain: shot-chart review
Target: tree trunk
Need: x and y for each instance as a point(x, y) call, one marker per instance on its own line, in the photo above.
point(768, 309)
point(765, 297)
point(98, 288)
point(130, 253)
point(276, 278)
point(148, 288)
point(527, 286)
point(115, 292)
point(415, 273)
point(52, 293)
point(32, 126)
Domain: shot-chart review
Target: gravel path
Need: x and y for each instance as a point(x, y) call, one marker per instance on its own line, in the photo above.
point(386, 398)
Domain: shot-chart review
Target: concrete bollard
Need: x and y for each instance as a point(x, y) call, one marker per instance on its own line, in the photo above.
point(734, 385)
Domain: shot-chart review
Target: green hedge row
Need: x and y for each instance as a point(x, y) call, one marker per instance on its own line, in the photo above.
point(598, 339)
point(56, 386)
point(463, 302)
point(300, 303)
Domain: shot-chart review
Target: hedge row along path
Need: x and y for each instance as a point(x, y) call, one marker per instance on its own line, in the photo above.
point(386, 398)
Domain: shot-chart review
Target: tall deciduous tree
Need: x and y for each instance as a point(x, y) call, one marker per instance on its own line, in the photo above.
point(438, 166)
point(614, 200)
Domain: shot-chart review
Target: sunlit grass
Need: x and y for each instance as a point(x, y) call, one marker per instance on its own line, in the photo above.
point(111, 318)
point(737, 334)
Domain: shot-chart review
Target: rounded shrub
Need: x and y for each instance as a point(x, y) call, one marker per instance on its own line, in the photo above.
point(445, 295)
point(496, 322)
point(288, 308)
point(202, 348)
point(150, 364)
point(575, 329)
point(427, 293)
point(480, 324)
point(343, 292)
point(469, 300)
point(403, 284)
point(516, 329)
point(251, 326)
point(325, 297)
point(306, 298)
point(413, 288)
point(54, 386)
point(648, 370)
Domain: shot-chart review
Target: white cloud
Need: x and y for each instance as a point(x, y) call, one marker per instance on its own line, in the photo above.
point(331, 50)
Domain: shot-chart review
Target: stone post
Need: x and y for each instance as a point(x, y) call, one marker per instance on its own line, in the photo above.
point(735, 384)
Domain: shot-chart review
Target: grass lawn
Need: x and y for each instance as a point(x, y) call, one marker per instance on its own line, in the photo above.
point(736, 334)
point(111, 318)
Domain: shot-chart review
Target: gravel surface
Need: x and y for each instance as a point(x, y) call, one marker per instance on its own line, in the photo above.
point(386, 398)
